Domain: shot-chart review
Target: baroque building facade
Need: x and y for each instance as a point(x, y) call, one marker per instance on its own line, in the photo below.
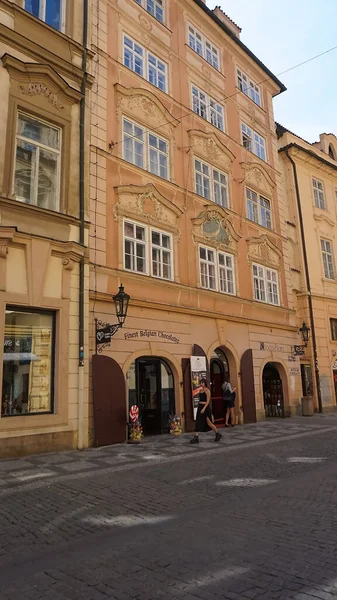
point(188, 213)
point(309, 180)
point(44, 159)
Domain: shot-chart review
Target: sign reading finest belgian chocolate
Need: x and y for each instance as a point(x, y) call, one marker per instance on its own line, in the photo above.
point(161, 336)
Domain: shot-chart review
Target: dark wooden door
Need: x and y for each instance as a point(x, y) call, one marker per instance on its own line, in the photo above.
point(187, 389)
point(109, 399)
point(248, 387)
point(217, 379)
point(272, 392)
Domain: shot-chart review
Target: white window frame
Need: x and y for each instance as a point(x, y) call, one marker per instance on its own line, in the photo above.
point(253, 141)
point(148, 245)
point(144, 243)
point(161, 248)
point(266, 285)
point(217, 269)
point(145, 141)
point(156, 3)
point(210, 176)
point(208, 105)
point(146, 56)
point(207, 48)
point(328, 265)
point(42, 13)
point(43, 147)
point(319, 194)
point(259, 208)
point(248, 87)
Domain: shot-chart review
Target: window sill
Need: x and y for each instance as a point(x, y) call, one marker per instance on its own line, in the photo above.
point(251, 100)
point(209, 122)
point(19, 206)
point(263, 302)
point(206, 63)
point(264, 162)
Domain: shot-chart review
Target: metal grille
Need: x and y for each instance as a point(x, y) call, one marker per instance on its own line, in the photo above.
point(273, 398)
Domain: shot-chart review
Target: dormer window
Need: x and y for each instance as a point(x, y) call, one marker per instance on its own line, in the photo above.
point(332, 153)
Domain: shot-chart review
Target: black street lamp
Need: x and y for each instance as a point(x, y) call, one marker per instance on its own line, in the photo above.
point(305, 333)
point(105, 331)
point(121, 301)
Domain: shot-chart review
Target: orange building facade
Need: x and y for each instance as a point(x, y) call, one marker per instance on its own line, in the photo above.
point(188, 214)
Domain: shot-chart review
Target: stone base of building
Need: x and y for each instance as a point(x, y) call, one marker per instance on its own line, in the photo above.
point(37, 444)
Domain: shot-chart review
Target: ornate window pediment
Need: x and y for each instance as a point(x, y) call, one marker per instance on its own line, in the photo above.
point(146, 204)
point(208, 146)
point(38, 81)
point(144, 107)
point(323, 218)
point(262, 250)
point(256, 176)
point(213, 226)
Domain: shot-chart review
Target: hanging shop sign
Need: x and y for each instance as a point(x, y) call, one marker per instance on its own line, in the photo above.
point(161, 336)
point(299, 350)
point(198, 372)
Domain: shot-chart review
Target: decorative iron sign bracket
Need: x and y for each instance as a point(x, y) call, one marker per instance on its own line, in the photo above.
point(103, 334)
point(299, 350)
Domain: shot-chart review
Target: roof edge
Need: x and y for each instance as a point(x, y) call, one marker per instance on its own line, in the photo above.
point(226, 29)
point(310, 152)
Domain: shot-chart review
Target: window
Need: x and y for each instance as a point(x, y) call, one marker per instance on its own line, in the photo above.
point(319, 194)
point(161, 255)
point(145, 64)
point(328, 263)
point(51, 12)
point(211, 183)
point(253, 141)
point(37, 163)
point(139, 243)
point(154, 7)
point(265, 285)
point(207, 108)
point(333, 326)
point(258, 209)
point(144, 149)
point(248, 87)
point(216, 270)
point(204, 47)
point(28, 362)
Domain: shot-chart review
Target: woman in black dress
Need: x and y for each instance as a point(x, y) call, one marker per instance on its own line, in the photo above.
point(204, 415)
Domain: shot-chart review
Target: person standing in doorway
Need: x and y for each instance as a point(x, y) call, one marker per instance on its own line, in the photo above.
point(228, 394)
point(204, 415)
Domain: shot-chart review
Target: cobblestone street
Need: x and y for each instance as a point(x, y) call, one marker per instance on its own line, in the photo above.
point(251, 517)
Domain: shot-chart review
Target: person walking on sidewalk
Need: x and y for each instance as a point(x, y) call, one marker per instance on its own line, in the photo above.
point(204, 415)
point(229, 402)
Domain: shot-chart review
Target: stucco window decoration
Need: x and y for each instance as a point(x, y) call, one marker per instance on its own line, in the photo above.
point(211, 183)
point(208, 108)
point(37, 163)
point(51, 12)
point(328, 261)
point(144, 63)
point(203, 47)
point(319, 194)
point(145, 149)
point(253, 141)
point(154, 7)
point(258, 209)
point(216, 270)
point(266, 288)
point(28, 363)
point(248, 87)
point(148, 250)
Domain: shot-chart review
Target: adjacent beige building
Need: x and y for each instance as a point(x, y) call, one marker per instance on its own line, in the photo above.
point(43, 226)
point(309, 180)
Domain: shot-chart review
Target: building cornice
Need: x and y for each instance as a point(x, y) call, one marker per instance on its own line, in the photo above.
point(311, 153)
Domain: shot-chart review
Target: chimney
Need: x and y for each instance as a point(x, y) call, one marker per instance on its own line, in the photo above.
point(227, 21)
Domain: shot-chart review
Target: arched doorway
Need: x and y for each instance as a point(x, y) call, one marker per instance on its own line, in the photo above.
point(219, 369)
point(150, 385)
point(272, 391)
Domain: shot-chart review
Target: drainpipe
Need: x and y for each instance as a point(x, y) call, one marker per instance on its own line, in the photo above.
point(81, 395)
point(307, 277)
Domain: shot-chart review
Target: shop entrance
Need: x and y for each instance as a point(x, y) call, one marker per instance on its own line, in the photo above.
point(272, 391)
point(219, 370)
point(151, 387)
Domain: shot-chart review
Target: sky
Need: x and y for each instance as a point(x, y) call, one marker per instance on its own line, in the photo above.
point(284, 33)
